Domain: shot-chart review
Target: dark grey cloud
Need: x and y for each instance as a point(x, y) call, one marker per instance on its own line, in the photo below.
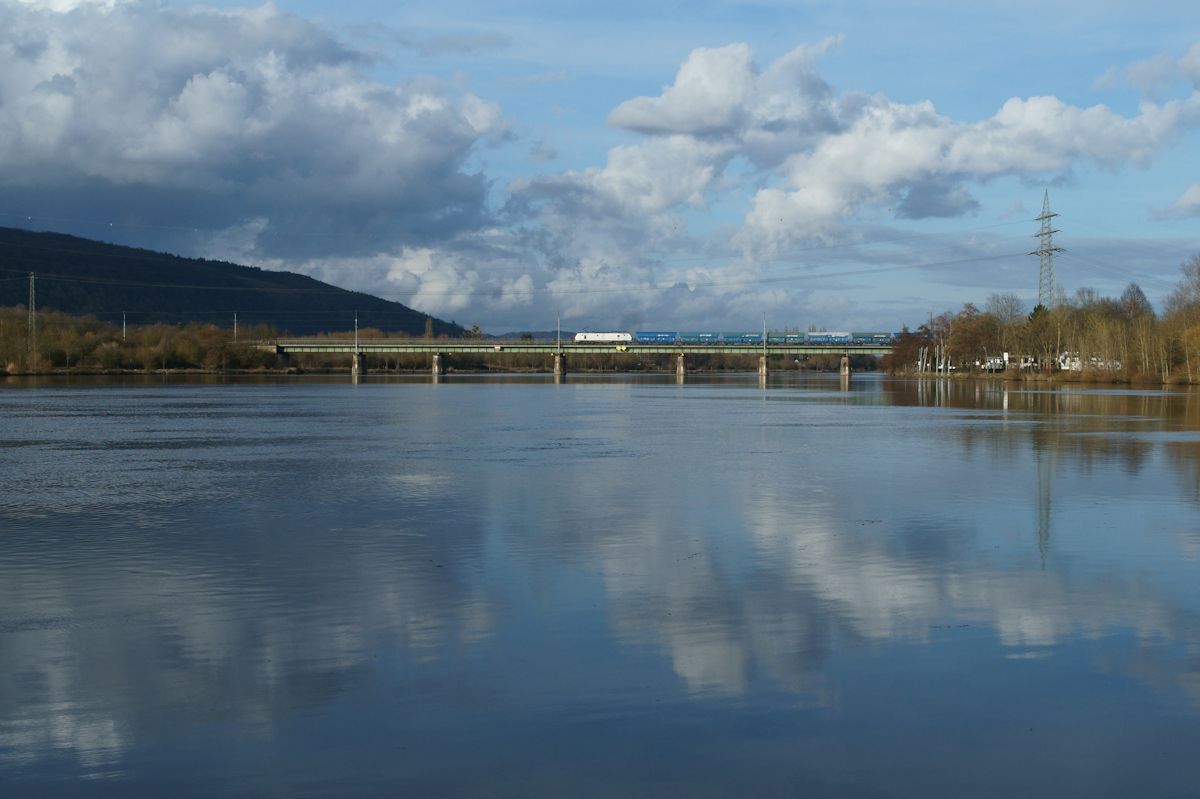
point(203, 120)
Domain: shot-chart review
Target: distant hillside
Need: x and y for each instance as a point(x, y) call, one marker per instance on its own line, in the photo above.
point(89, 277)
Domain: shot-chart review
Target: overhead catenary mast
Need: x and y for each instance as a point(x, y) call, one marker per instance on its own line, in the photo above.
point(32, 323)
point(1045, 253)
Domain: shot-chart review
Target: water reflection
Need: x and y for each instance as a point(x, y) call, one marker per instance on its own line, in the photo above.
point(434, 564)
point(229, 581)
point(1045, 498)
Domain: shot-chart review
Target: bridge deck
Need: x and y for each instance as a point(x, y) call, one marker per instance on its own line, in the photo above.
point(449, 347)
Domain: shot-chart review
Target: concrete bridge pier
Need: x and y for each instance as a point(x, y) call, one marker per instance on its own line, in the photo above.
point(358, 366)
point(285, 360)
point(437, 367)
point(845, 370)
point(762, 368)
point(680, 367)
point(560, 366)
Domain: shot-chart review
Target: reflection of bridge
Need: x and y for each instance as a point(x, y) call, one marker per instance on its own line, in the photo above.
point(358, 350)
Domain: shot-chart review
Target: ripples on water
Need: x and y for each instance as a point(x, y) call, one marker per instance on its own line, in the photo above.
point(611, 587)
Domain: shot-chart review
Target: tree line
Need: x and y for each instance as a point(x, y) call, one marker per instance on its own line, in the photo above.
point(1121, 339)
point(83, 343)
point(72, 342)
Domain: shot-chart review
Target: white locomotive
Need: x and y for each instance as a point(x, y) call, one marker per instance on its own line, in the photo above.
point(603, 338)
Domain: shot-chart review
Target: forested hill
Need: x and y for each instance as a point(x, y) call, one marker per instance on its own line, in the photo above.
point(90, 277)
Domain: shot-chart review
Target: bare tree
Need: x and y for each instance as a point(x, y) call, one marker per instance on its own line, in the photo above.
point(1007, 308)
point(1134, 303)
point(1009, 313)
point(1187, 293)
point(1085, 297)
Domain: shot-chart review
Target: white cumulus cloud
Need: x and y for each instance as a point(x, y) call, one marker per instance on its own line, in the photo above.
point(709, 96)
point(911, 157)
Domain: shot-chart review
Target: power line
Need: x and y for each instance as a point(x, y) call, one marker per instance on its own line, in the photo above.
point(311, 235)
point(159, 258)
point(1143, 244)
point(61, 278)
point(554, 291)
point(713, 283)
point(1122, 273)
point(666, 257)
point(529, 292)
point(797, 252)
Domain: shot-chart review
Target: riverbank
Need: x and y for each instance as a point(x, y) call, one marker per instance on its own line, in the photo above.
point(1057, 378)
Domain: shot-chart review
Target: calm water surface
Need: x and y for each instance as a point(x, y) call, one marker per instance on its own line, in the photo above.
point(612, 587)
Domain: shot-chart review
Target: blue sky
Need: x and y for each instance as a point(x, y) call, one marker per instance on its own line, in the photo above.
point(623, 165)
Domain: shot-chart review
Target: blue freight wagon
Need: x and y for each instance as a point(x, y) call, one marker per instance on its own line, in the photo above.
point(785, 338)
point(699, 337)
point(878, 339)
point(742, 338)
point(838, 337)
point(656, 336)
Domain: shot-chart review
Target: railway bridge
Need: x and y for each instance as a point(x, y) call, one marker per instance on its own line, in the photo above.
point(559, 352)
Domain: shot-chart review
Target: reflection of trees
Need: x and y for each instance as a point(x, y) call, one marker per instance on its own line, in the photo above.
point(1088, 426)
point(1185, 457)
point(1045, 498)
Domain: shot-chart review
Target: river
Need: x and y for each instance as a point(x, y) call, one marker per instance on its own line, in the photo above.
point(613, 587)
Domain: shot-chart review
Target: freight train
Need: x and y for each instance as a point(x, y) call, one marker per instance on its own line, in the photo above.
point(735, 338)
